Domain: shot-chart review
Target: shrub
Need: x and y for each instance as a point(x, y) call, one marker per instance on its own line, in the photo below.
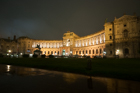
point(1, 55)
point(84, 56)
point(25, 55)
point(62, 56)
point(88, 57)
point(43, 56)
point(35, 56)
point(51, 56)
point(95, 57)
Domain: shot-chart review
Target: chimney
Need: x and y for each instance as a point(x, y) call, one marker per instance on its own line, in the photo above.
point(8, 38)
point(14, 37)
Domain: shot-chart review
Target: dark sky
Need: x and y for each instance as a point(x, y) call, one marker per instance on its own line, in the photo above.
point(49, 19)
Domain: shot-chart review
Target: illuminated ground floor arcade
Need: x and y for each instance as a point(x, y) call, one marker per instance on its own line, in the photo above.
point(95, 50)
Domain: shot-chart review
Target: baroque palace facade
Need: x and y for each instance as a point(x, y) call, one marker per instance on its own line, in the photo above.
point(120, 37)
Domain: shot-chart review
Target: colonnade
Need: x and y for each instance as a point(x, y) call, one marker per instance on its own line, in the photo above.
point(51, 52)
point(90, 51)
point(92, 40)
point(47, 45)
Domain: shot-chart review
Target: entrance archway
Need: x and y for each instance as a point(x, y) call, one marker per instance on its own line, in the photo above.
point(126, 52)
point(63, 52)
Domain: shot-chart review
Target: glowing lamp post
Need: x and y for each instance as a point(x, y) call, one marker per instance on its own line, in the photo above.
point(9, 51)
point(104, 53)
point(117, 52)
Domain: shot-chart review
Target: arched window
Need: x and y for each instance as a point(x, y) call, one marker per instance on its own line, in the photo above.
point(79, 52)
point(126, 51)
point(96, 51)
point(86, 51)
point(125, 33)
point(51, 52)
point(76, 52)
point(93, 51)
point(89, 51)
point(100, 51)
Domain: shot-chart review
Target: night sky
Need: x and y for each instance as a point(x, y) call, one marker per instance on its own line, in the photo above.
point(50, 19)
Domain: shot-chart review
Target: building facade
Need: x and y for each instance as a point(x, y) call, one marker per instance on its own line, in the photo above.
point(123, 37)
point(120, 37)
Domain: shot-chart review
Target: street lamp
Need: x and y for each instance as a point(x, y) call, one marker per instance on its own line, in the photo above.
point(9, 51)
point(117, 52)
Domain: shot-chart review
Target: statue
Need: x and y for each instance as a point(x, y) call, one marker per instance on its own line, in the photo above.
point(38, 46)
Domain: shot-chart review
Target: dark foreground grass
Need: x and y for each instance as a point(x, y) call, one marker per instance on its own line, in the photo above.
point(116, 68)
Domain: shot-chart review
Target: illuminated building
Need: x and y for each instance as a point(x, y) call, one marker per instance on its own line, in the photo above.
point(8, 46)
point(120, 37)
point(123, 37)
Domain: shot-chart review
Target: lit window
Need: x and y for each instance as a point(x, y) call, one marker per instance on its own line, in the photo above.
point(83, 44)
point(97, 40)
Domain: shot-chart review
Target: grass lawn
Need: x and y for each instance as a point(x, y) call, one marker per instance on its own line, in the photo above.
point(117, 68)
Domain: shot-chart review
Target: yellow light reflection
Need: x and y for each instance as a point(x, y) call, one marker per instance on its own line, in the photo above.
point(8, 68)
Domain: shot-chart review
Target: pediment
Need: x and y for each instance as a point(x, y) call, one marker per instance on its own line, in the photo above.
point(125, 18)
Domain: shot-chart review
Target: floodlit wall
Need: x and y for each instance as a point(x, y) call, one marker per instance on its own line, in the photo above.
point(123, 37)
point(119, 38)
point(91, 45)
